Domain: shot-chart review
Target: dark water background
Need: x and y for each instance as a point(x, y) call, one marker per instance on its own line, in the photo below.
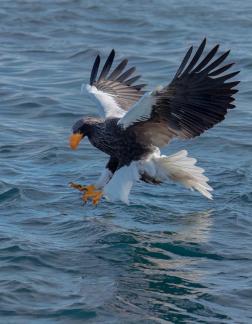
point(171, 256)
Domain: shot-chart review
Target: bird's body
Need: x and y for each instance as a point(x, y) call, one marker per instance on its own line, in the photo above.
point(135, 124)
point(112, 139)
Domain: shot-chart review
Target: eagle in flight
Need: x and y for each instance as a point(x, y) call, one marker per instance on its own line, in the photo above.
point(135, 124)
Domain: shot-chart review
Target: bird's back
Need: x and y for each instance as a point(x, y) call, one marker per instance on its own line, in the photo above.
point(113, 140)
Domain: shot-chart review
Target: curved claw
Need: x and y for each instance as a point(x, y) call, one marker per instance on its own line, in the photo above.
point(77, 186)
point(97, 197)
point(81, 187)
point(90, 192)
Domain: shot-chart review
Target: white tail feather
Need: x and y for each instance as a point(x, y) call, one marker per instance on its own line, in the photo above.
point(178, 167)
point(181, 168)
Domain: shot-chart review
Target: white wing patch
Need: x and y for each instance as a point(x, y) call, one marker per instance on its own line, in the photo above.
point(140, 111)
point(106, 103)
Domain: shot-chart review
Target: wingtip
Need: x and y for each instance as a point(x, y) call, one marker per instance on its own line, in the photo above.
point(107, 66)
point(97, 59)
point(235, 73)
point(216, 48)
point(112, 53)
point(204, 41)
point(95, 69)
point(227, 52)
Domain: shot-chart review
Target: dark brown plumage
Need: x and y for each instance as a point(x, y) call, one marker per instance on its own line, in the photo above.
point(107, 136)
point(197, 98)
point(137, 123)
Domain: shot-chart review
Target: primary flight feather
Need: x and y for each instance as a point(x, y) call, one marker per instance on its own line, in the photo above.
point(135, 124)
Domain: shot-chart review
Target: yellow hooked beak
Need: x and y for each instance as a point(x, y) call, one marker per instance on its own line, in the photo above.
point(74, 140)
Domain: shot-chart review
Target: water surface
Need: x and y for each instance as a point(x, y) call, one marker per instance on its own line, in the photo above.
point(171, 256)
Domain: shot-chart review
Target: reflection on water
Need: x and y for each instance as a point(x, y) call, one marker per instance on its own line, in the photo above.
point(197, 227)
point(162, 270)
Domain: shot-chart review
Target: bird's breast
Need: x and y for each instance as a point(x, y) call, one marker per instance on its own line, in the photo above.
point(117, 142)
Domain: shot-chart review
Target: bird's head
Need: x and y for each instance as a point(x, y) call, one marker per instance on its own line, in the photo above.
point(81, 128)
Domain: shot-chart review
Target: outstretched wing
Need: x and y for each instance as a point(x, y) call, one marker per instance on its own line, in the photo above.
point(115, 93)
point(197, 98)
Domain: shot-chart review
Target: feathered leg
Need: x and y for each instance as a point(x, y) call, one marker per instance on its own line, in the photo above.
point(94, 192)
point(118, 188)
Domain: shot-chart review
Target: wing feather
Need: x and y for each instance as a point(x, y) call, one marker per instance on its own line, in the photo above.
point(132, 80)
point(207, 59)
point(126, 74)
point(115, 93)
point(184, 62)
point(118, 70)
point(107, 65)
point(198, 97)
point(221, 70)
point(196, 57)
point(95, 69)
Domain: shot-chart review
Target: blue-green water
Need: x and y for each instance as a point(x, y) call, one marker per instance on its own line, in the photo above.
point(171, 256)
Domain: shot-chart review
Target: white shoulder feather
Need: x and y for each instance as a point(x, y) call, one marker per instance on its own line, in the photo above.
point(139, 112)
point(105, 102)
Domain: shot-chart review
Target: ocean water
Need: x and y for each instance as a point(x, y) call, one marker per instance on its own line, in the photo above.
point(172, 256)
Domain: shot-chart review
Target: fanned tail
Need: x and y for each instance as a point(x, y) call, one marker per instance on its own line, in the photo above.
point(181, 168)
point(178, 167)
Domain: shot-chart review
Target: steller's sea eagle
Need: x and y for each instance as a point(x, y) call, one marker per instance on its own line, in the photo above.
point(135, 124)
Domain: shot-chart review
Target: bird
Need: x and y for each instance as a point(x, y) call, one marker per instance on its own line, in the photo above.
point(135, 124)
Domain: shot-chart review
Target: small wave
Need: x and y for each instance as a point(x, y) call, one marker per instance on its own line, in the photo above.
point(9, 195)
point(83, 53)
point(244, 197)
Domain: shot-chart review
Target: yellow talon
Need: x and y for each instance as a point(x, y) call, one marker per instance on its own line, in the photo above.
point(81, 187)
point(89, 188)
point(97, 197)
point(77, 186)
point(90, 192)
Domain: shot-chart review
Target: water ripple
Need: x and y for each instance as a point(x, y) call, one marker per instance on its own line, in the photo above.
point(169, 257)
